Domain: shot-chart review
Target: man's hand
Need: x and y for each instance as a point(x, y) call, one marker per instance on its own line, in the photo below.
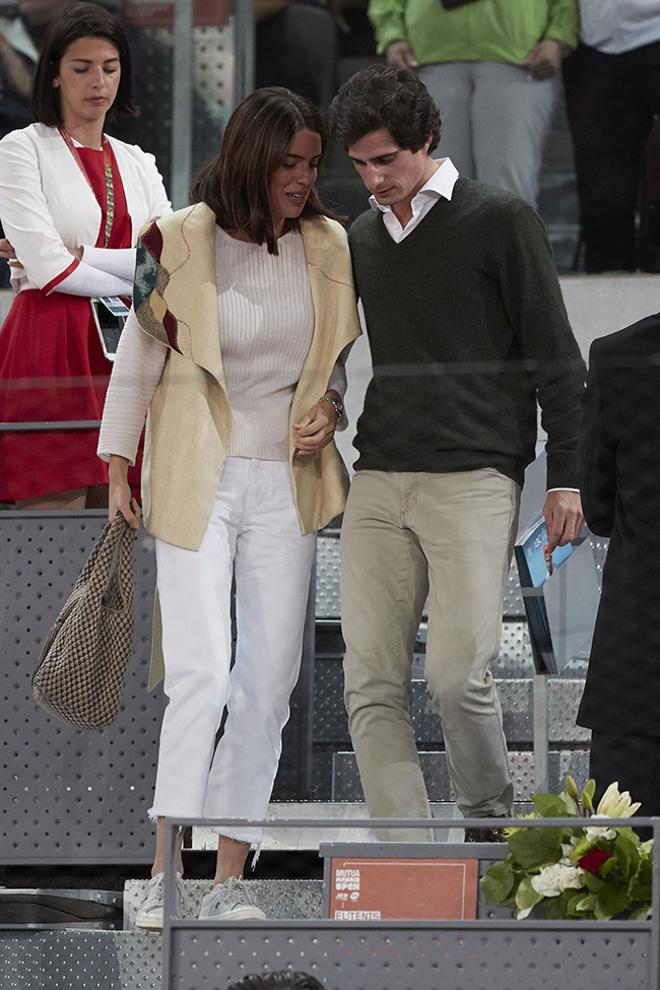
point(544, 61)
point(316, 429)
point(563, 517)
point(400, 55)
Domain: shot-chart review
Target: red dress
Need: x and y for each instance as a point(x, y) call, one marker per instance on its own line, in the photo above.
point(52, 367)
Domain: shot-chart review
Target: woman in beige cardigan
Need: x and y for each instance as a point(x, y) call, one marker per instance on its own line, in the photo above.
point(243, 306)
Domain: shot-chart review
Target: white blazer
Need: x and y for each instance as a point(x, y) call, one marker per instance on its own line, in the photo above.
point(47, 207)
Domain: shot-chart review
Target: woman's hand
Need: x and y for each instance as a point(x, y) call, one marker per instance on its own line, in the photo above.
point(7, 252)
point(119, 495)
point(316, 429)
point(544, 61)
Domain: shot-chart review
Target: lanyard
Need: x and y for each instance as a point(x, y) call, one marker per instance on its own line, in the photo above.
point(109, 183)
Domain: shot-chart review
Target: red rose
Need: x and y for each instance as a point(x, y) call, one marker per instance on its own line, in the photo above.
point(593, 860)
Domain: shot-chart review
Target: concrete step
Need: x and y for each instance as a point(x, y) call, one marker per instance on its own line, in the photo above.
point(346, 779)
point(296, 899)
point(283, 838)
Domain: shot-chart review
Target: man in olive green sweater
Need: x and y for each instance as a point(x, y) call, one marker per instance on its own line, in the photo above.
point(492, 67)
point(468, 331)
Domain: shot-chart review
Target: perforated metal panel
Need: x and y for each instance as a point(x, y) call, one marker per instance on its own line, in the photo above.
point(80, 961)
point(328, 598)
point(425, 957)
point(346, 784)
point(66, 794)
point(331, 723)
point(82, 796)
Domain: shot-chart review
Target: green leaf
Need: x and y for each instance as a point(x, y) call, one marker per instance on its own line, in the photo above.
point(592, 883)
point(549, 805)
point(555, 908)
point(641, 913)
point(627, 853)
point(526, 896)
point(613, 899)
point(535, 847)
point(585, 905)
point(497, 883)
point(569, 805)
point(572, 902)
point(611, 866)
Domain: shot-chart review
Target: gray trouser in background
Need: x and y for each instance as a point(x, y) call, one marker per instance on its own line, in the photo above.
point(494, 121)
point(408, 538)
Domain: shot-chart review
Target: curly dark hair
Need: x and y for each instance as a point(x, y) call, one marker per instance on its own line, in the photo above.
point(381, 96)
point(278, 981)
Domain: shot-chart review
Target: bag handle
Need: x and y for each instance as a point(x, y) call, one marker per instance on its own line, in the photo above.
point(121, 531)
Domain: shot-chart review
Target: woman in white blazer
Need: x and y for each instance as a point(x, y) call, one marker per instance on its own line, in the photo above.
point(72, 202)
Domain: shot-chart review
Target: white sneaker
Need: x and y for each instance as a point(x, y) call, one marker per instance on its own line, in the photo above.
point(150, 912)
point(229, 901)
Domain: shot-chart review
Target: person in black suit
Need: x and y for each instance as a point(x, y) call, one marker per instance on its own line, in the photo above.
point(620, 485)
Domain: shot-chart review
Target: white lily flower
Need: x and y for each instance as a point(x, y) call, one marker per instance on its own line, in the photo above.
point(613, 804)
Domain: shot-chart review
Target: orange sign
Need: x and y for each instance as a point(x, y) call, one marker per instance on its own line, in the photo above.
point(393, 889)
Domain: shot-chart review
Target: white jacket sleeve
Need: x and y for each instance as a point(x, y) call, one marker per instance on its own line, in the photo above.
point(26, 217)
point(114, 261)
point(137, 369)
point(159, 204)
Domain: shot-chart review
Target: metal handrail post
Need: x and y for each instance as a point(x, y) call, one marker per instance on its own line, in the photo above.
point(182, 101)
point(244, 55)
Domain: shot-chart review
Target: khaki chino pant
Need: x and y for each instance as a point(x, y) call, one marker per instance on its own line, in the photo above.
point(408, 538)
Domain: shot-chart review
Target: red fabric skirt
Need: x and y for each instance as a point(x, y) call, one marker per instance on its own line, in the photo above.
point(52, 367)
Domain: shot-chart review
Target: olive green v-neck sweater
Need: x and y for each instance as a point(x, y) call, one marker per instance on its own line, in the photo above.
point(468, 330)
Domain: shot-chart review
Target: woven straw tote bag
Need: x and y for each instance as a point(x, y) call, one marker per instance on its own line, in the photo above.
point(83, 662)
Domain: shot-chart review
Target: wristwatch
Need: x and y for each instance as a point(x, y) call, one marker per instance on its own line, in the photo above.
point(337, 403)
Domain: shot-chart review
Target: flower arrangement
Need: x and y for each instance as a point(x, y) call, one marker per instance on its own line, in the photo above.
point(588, 871)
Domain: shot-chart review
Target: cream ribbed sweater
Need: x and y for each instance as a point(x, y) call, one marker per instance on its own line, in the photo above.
point(266, 327)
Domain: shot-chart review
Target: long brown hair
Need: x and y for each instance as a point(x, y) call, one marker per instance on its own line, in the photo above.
point(235, 184)
point(79, 20)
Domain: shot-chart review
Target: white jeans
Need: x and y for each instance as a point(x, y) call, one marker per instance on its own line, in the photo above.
point(494, 121)
point(255, 535)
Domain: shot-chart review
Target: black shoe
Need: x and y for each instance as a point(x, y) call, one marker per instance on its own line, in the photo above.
point(485, 834)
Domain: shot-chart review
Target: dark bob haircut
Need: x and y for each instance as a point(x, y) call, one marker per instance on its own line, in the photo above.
point(235, 184)
point(79, 20)
point(379, 97)
point(278, 981)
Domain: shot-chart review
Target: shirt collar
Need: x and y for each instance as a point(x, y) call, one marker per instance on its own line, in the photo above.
point(441, 183)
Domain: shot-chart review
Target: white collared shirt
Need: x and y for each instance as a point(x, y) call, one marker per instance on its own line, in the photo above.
point(441, 183)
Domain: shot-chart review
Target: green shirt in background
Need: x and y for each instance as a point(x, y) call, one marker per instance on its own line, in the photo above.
point(485, 30)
